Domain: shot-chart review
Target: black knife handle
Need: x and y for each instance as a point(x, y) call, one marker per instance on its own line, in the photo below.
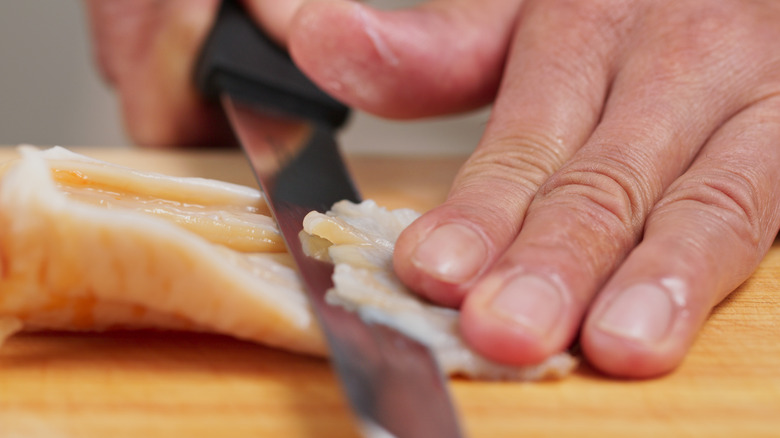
point(239, 59)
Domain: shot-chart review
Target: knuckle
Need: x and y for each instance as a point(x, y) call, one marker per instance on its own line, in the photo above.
point(518, 162)
point(609, 191)
point(501, 178)
point(729, 201)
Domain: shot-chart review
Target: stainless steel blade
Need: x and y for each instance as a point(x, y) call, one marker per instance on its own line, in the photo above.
point(392, 382)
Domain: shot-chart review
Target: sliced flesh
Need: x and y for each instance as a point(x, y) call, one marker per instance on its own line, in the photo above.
point(87, 245)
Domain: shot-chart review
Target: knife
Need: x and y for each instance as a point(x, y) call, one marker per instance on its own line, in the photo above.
point(286, 125)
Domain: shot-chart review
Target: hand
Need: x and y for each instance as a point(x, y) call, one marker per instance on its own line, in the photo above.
point(147, 49)
point(628, 180)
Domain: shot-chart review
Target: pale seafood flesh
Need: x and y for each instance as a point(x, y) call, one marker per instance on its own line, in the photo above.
point(87, 245)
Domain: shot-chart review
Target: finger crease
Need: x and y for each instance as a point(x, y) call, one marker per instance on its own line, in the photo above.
point(526, 162)
point(732, 198)
point(613, 190)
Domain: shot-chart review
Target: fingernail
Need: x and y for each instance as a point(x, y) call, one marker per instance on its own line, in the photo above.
point(642, 312)
point(452, 253)
point(531, 301)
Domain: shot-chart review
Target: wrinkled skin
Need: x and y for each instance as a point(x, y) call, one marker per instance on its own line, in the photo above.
point(628, 179)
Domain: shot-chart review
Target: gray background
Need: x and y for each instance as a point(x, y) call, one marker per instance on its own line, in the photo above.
point(50, 92)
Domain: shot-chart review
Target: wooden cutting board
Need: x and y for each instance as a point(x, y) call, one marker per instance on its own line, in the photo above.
point(152, 384)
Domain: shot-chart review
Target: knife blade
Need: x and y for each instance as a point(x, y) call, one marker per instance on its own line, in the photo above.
point(286, 126)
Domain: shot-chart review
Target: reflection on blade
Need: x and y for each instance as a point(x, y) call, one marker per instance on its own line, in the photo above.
point(392, 382)
point(296, 162)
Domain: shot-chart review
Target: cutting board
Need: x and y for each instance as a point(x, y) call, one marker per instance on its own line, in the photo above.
point(150, 384)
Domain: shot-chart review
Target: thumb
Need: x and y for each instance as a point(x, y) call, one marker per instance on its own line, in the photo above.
point(437, 58)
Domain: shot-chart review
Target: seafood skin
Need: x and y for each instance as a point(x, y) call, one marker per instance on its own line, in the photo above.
point(86, 245)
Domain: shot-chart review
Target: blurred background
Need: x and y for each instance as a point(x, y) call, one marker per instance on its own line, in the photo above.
point(50, 92)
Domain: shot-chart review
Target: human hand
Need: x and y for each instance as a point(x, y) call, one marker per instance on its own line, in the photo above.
point(147, 50)
point(628, 179)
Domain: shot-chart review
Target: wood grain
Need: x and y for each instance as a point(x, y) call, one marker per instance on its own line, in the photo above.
point(152, 384)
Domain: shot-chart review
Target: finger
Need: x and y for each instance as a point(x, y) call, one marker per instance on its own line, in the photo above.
point(443, 56)
point(147, 50)
point(703, 239)
point(585, 219)
point(547, 107)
